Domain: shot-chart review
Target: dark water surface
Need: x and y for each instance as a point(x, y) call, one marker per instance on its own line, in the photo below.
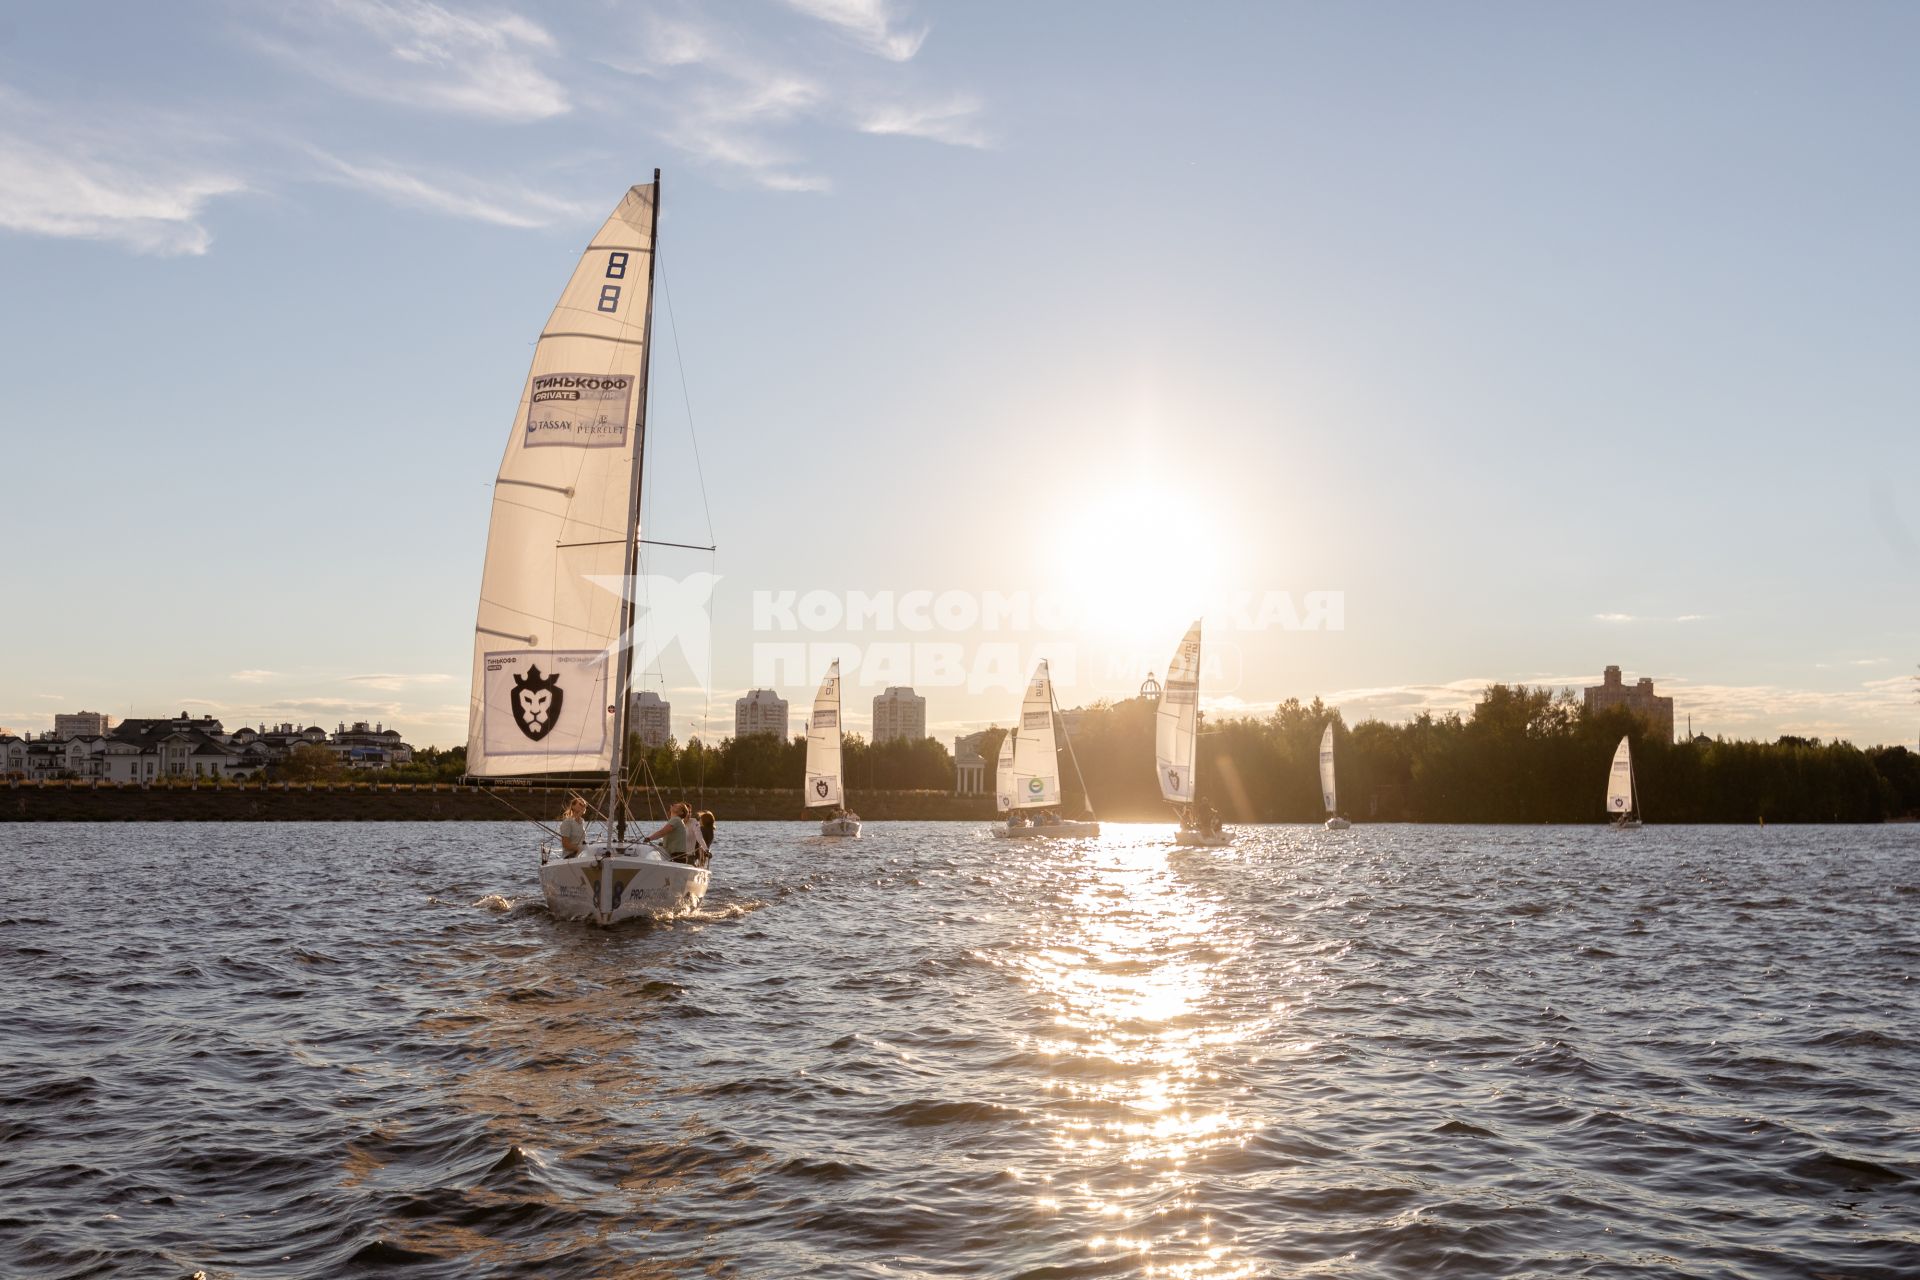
point(318, 1051)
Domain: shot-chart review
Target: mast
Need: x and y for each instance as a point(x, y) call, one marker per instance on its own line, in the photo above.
point(1085, 795)
point(623, 668)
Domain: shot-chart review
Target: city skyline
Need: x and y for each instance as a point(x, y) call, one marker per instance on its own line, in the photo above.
point(1271, 301)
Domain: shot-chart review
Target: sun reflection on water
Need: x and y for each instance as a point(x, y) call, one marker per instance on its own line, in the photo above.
point(1128, 969)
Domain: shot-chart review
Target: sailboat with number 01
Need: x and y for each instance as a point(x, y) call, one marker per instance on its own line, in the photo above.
point(1328, 794)
point(1176, 744)
point(1035, 770)
point(825, 784)
point(551, 655)
point(1623, 800)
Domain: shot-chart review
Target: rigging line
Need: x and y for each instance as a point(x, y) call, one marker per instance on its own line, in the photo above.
point(680, 362)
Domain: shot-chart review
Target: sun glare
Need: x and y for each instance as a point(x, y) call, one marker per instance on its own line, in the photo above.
point(1140, 567)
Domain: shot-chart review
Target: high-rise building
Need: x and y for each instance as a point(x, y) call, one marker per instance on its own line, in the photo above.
point(761, 711)
point(81, 724)
point(899, 713)
point(1640, 699)
point(650, 716)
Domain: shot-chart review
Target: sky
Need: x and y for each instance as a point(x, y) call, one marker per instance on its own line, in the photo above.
point(1416, 347)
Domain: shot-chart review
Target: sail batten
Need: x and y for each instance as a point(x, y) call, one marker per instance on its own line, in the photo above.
point(1036, 754)
point(547, 637)
point(824, 785)
point(1177, 722)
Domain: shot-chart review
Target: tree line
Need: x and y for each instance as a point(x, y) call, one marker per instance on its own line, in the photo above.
point(1522, 755)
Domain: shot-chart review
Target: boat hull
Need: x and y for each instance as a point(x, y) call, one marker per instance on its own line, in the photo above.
point(1054, 831)
point(1338, 824)
point(628, 882)
point(846, 828)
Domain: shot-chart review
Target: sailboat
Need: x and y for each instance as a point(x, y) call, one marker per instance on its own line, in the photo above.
point(1327, 791)
point(1035, 769)
point(1003, 776)
point(1176, 743)
point(823, 785)
point(551, 657)
point(1623, 800)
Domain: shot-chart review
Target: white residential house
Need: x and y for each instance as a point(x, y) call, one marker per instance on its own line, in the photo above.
point(761, 711)
point(899, 713)
point(650, 716)
point(81, 724)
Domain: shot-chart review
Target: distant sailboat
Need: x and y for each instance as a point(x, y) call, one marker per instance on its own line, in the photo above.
point(1622, 797)
point(1035, 770)
point(823, 786)
point(551, 658)
point(1176, 742)
point(1328, 793)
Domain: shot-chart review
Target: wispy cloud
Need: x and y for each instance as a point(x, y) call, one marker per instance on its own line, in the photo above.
point(507, 206)
point(1634, 617)
point(66, 180)
point(737, 102)
point(871, 24)
point(392, 681)
point(955, 121)
point(253, 676)
point(422, 55)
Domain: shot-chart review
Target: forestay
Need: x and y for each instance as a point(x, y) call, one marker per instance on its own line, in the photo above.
point(823, 743)
point(549, 622)
point(1620, 779)
point(1036, 759)
point(1327, 792)
point(1177, 723)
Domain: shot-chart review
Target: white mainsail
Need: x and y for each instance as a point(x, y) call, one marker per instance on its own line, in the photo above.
point(1177, 723)
point(823, 743)
point(548, 633)
point(1003, 775)
point(1620, 779)
point(1036, 759)
point(1326, 770)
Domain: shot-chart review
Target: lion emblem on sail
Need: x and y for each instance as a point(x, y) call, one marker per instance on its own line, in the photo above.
point(536, 703)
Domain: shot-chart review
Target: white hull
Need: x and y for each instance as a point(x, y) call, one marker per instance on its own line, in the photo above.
point(631, 882)
point(1052, 831)
point(847, 827)
point(1338, 824)
point(1202, 839)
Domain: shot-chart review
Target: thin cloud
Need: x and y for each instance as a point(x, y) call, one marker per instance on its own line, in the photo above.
point(955, 122)
point(735, 102)
point(871, 24)
point(461, 198)
point(1634, 617)
point(253, 676)
point(425, 56)
point(392, 681)
point(70, 182)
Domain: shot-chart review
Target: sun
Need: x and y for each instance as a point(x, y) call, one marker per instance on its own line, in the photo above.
point(1140, 562)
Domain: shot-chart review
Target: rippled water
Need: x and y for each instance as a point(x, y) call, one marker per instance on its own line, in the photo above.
point(311, 1050)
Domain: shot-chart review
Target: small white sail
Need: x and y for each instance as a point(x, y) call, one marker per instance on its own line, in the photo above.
point(550, 596)
point(1177, 723)
point(1003, 775)
point(823, 743)
point(1620, 779)
point(1327, 793)
point(1036, 759)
